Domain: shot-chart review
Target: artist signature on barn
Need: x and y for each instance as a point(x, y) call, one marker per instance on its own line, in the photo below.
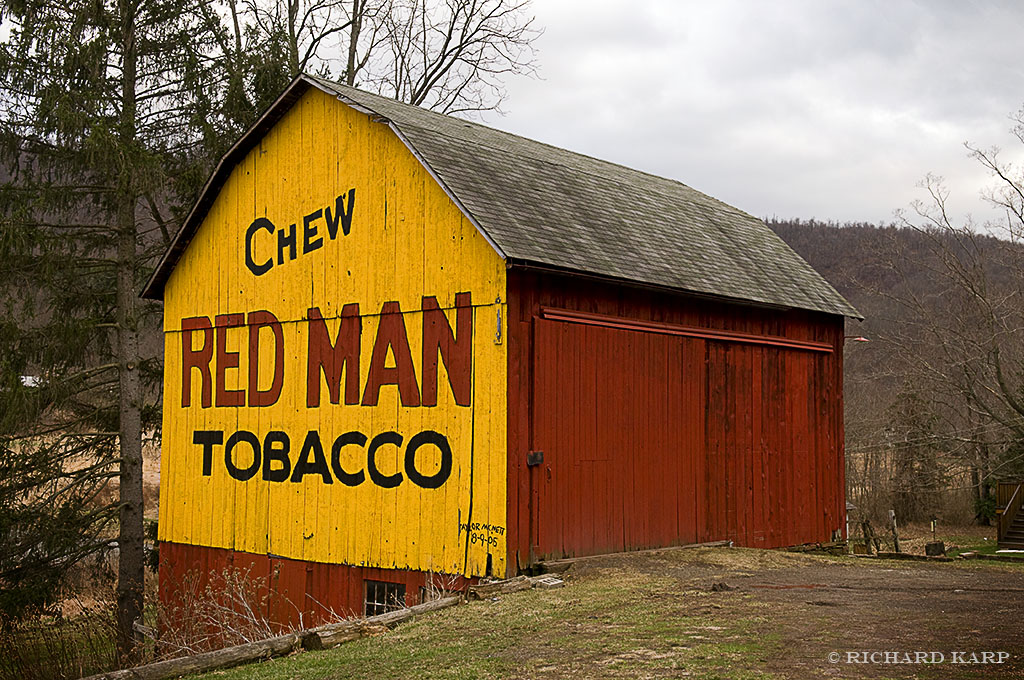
point(478, 532)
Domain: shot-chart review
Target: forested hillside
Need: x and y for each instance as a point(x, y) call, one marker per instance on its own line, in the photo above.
point(917, 440)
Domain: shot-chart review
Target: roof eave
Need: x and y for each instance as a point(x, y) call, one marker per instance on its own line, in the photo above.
point(154, 288)
point(519, 263)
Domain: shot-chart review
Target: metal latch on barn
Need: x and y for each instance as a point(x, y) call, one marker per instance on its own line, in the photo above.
point(534, 458)
point(497, 330)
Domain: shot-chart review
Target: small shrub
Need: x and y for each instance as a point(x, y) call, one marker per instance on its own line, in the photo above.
point(227, 608)
point(985, 509)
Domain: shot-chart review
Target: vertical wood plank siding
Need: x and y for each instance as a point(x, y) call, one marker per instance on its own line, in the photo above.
point(653, 439)
point(286, 592)
point(408, 270)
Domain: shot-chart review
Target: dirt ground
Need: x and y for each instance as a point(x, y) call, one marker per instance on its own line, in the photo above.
point(708, 613)
point(814, 607)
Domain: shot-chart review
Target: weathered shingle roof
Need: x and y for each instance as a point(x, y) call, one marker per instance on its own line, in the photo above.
point(543, 205)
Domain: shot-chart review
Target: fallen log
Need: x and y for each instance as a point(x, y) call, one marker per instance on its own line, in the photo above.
point(322, 637)
point(512, 585)
point(397, 616)
point(209, 661)
point(344, 632)
point(334, 634)
point(831, 548)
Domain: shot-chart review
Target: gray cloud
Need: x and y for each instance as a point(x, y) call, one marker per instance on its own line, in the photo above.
point(796, 108)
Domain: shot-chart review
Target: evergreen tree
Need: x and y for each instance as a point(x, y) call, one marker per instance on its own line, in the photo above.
point(112, 113)
point(105, 104)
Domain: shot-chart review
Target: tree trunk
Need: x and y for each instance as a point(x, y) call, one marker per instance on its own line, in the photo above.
point(131, 564)
point(976, 491)
point(985, 487)
point(293, 37)
point(353, 40)
point(903, 482)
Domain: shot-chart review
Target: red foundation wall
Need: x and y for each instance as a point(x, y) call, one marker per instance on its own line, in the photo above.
point(288, 593)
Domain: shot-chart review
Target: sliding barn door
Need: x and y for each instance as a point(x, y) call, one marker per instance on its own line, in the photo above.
point(651, 439)
point(614, 413)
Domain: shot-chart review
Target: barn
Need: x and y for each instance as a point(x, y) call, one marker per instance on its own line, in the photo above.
point(404, 350)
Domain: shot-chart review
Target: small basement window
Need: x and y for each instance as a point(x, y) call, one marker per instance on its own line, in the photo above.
point(382, 597)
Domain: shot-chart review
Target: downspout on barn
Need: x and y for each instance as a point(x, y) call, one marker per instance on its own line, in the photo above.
point(405, 349)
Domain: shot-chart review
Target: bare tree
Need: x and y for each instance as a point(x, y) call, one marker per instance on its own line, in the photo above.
point(961, 343)
point(304, 28)
point(450, 55)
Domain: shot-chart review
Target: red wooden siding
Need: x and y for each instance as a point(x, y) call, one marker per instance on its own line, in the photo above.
point(285, 590)
point(658, 436)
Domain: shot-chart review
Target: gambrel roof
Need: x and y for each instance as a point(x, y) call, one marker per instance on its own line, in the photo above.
point(544, 206)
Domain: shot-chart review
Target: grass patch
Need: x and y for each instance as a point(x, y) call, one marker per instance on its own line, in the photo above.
point(958, 539)
point(49, 647)
point(655, 616)
point(611, 624)
point(972, 544)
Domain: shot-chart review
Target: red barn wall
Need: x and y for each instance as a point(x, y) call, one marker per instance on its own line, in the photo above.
point(288, 593)
point(654, 437)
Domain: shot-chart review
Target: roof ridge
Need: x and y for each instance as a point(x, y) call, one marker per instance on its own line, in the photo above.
point(530, 141)
point(537, 202)
point(727, 222)
point(657, 190)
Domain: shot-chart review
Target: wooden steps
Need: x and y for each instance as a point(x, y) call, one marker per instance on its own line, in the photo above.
point(1014, 538)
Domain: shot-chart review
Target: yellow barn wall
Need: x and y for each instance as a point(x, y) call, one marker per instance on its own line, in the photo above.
point(407, 240)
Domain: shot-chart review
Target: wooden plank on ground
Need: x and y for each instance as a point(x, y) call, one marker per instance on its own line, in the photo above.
point(209, 661)
point(558, 566)
point(512, 585)
point(322, 637)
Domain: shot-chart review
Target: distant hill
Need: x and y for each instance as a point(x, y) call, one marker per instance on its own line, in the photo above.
point(901, 433)
point(870, 265)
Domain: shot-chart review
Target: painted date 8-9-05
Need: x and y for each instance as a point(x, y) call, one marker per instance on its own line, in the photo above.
point(480, 533)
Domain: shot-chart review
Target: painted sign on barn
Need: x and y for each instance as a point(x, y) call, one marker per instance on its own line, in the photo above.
point(335, 372)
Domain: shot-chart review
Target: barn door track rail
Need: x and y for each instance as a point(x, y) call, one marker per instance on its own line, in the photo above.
point(607, 321)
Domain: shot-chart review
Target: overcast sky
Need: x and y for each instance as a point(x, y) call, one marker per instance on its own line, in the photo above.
point(792, 108)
